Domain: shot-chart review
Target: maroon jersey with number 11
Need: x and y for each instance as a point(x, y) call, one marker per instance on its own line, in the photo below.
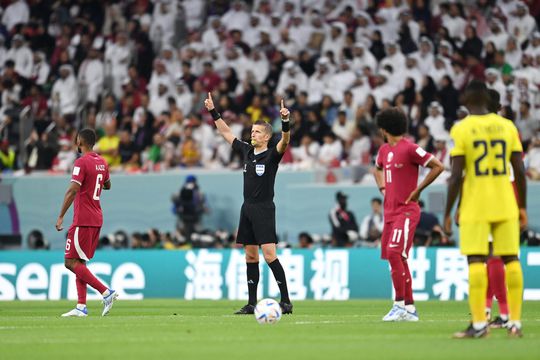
point(400, 167)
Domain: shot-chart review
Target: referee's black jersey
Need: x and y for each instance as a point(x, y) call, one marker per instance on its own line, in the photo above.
point(259, 172)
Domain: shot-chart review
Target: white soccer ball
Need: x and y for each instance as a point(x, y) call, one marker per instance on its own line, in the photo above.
point(267, 311)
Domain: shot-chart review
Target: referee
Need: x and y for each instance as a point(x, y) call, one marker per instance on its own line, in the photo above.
point(258, 214)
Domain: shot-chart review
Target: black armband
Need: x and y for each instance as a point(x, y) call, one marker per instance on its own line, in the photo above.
point(285, 126)
point(215, 115)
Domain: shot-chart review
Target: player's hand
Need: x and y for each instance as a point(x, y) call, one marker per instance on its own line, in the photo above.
point(523, 219)
point(59, 222)
point(448, 225)
point(209, 103)
point(284, 112)
point(415, 195)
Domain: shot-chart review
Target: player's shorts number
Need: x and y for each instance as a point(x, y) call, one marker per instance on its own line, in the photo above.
point(68, 244)
point(499, 149)
point(97, 189)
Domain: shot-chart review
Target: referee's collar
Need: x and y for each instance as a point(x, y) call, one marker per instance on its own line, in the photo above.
point(258, 153)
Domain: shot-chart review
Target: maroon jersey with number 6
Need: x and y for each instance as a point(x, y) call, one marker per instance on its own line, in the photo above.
point(90, 172)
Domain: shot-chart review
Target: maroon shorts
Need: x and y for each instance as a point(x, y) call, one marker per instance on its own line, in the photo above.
point(82, 242)
point(398, 234)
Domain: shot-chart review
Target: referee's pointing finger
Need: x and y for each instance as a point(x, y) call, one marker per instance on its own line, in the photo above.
point(209, 95)
point(282, 106)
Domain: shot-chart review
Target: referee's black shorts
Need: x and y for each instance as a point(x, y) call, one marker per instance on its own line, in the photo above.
point(257, 224)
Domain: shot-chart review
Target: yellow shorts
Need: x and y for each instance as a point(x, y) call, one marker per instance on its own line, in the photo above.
point(474, 237)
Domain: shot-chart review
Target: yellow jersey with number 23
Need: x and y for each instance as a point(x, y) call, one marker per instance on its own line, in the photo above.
point(486, 142)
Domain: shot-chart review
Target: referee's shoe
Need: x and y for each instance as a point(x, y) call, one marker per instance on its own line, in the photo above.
point(286, 307)
point(246, 310)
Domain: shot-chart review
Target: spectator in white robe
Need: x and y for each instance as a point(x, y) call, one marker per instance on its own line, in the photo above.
point(292, 79)
point(21, 54)
point(15, 13)
point(91, 75)
point(65, 91)
point(40, 70)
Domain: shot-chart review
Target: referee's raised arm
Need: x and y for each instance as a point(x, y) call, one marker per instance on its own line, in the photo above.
point(222, 127)
point(285, 129)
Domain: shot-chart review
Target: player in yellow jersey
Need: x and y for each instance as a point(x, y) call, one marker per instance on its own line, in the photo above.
point(484, 145)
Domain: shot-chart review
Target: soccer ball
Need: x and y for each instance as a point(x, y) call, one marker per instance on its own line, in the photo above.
point(267, 311)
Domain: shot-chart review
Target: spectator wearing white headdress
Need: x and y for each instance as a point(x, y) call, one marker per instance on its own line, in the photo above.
point(454, 22)
point(237, 17)
point(259, 65)
point(319, 82)
point(117, 58)
point(171, 61)
point(251, 34)
point(513, 53)
point(364, 27)
point(342, 80)
point(493, 81)
point(21, 54)
point(288, 46)
point(184, 98)
point(163, 23)
point(335, 41)
point(291, 77)
point(521, 24)
point(411, 71)
point(533, 49)
point(210, 37)
point(40, 69)
point(387, 19)
point(159, 101)
point(441, 68)
point(360, 89)
point(363, 57)
point(194, 11)
point(91, 75)
point(394, 57)
point(384, 88)
point(15, 13)
point(424, 56)
point(300, 30)
point(435, 121)
point(497, 35)
point(159, 76)
point(65, 91)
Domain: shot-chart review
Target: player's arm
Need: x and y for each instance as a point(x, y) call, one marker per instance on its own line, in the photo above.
point(285, 129)
point(71, 192)
point(107, 184)
point(222, 127)
point(521, 187)
point(379, 179)
point(436, 168)
point(454, 187)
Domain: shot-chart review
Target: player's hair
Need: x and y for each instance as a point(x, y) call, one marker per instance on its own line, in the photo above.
point(88, 137)
point(267, 126)
point(376, 200)
point(477, 94)
point(393, 121)
point(494, 101)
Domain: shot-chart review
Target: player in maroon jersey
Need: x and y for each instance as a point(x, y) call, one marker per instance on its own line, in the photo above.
point(90, 175)
point(397, 163)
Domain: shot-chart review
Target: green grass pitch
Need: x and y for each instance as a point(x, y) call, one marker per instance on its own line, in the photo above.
point(177, 329)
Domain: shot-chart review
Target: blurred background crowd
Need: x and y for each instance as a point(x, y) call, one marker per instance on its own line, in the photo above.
point(138, 72)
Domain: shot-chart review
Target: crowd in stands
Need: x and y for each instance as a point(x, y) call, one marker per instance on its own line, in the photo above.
point(138, 72)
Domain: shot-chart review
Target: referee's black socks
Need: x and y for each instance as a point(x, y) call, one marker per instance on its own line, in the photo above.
point(252, 281)
point(279, 275)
